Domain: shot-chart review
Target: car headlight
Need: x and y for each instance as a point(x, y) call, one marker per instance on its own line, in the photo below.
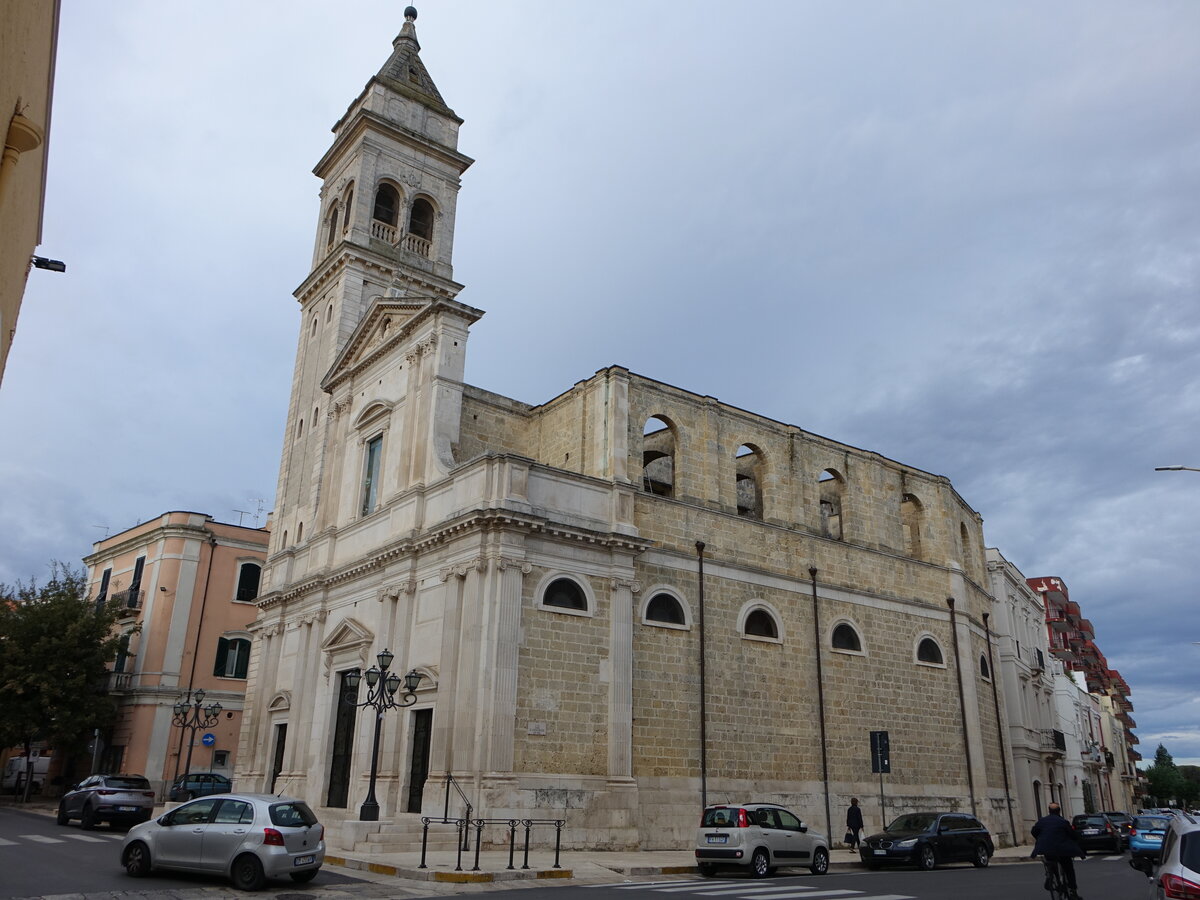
point(905, 845)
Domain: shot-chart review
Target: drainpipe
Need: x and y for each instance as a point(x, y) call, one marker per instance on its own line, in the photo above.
point(703, 708)
point(812, 574)
point(212, 551)
point(962, 705)
point(1012, 822)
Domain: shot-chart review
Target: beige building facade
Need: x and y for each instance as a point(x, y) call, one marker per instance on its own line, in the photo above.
point(28, 46)
point(540, 565)
point(187, 586)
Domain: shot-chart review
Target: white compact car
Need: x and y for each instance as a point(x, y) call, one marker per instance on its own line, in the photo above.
point(760, 837)
point(246, 837)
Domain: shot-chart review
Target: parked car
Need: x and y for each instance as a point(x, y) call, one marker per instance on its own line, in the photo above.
point(1123, 822)
point(758, 836)
point(116, 799)
point(1096, 832)
point(928, 839)
point(1177, 873)
point(198, 784)
point(1146, 835)
point(249, 838)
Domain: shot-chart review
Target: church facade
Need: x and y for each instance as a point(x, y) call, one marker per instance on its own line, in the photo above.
point(623, 602)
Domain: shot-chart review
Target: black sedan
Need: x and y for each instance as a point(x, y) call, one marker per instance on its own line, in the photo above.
point(1096, 832)
point(928, 839)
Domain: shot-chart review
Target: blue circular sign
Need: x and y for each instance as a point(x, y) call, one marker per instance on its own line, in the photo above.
point(209, 739)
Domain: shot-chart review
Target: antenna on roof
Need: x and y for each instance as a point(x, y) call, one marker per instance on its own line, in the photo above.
point(106, 530)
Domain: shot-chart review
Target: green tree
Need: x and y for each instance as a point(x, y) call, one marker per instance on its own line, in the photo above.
point(55, 647)
point(1164, 780)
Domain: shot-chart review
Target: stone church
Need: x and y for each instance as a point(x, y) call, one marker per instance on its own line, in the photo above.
point(625, 601)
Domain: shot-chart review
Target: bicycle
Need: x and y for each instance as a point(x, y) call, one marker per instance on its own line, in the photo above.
point(1055, 883)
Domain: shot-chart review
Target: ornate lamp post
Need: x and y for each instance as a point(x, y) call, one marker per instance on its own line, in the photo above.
point(189, 716)
point(381, 696)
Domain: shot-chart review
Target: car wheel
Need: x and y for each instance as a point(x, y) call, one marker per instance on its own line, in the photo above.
point(708, 870)
point(62, 818)
point(981, 857)
point(820, 863)
point(760, 865)
point(304, 877)
point(87, 819)
point(925, 858)
point(247, 873)
point(137, 859)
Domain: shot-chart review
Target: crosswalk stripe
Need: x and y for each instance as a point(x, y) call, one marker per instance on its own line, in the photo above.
point(4, 843)
point(760, 893)
point(806, 893)
point(41, 839)
point(634, 885)
point(92, 839)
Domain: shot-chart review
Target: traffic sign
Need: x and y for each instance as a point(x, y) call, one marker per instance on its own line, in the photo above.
point(881, 757)
point(209, 739)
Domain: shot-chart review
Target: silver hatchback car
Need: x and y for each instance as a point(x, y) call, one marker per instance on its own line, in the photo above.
point(116, 799)
point(760, 837)
point(247, 837)
point(1176, 871)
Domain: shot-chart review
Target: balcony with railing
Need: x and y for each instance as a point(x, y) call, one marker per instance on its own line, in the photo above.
point(389, 234)
point(119, 682)
point(1054, 742)
point(1060, 647)
point(130, 600)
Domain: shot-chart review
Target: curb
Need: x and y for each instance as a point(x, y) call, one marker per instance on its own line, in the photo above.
point(467, 877)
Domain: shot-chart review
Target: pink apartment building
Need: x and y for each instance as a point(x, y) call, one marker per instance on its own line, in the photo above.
point(190, 583)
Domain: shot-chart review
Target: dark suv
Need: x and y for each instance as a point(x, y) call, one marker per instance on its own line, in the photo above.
point(927, 839)
point(198, 784)
point(116, 799)
point(1122, 821)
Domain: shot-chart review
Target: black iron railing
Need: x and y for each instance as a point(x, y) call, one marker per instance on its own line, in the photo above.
point(465, 826)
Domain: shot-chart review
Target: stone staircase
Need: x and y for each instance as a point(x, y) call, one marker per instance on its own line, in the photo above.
point(399, 835)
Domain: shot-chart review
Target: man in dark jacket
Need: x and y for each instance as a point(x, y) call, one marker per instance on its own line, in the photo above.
point(854, 823)
point(1057, 841)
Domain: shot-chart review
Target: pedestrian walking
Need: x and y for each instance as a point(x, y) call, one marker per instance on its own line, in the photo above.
point(854, 824)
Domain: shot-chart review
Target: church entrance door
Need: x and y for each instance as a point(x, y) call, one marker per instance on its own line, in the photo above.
point(422, 720)
point(277, 762)
point(343, 744)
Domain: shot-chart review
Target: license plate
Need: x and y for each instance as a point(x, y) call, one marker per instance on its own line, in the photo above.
point(717, 838)
point(304, 861)
point(879, 852)
point(127, 809)
point(1091, 831)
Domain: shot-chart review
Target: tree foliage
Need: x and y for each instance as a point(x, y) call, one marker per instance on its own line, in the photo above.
point(55, 646)
point(1166, 783)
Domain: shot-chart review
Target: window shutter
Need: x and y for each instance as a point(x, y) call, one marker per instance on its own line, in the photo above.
point(242, 661)
point(222, 655)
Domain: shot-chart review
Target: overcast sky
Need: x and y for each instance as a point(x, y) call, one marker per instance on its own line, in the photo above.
point(965, 236)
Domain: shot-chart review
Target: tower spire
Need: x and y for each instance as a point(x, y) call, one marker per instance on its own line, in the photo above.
point(404, 69)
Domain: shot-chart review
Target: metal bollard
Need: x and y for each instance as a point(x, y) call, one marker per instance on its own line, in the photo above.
point(424, 840)
point(478, 842)
point(558, 826)
point(461, 826)
point(528, 825)
point(512, 841)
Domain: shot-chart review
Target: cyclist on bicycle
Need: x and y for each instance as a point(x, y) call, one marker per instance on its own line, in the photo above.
point(1057, 841)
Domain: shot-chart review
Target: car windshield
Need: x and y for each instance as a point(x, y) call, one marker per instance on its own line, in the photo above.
point(292, 815)
point(130, 782)
point(912, 822)
point(1151, 823)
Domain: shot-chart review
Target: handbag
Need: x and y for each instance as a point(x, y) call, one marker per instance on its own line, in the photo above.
point(849, 838)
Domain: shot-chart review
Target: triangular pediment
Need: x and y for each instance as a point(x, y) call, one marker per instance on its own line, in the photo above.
point(349, 633)
point(383, 328)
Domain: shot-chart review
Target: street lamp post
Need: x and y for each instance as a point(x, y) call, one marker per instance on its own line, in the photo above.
point(381, 696)
point(190, 714)
point(1176, 469)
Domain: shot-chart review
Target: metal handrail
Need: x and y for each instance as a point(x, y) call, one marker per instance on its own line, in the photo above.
point(465, 825)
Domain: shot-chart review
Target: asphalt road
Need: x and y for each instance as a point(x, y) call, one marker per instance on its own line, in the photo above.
point(39, 858)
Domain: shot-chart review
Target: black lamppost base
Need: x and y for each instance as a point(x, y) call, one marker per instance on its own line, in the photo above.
point(369, 812)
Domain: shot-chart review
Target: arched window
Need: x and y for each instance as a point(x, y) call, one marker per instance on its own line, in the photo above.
point(760, 623)
point(565, 593)
point(846, 638)
point(387, 205)
point(420, 219)
point(910, 520)
point(928, 651)
point(249, 576)
point(831, 487)
point(984, 669)
point(748, 465)
point(300, 533)
point(964, 540)
point(333, 226)
point(658, 457)
point(665, 608)
point(347, 207)
point(233, 658)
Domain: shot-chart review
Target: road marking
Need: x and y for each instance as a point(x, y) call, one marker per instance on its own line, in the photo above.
point(758, 891)
point(41, 839)
point(4, 843)
point(808, 892)
point(628, 885)
point(88, 837)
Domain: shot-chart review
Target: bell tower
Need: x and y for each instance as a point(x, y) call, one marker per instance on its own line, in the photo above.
point(381, 333)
